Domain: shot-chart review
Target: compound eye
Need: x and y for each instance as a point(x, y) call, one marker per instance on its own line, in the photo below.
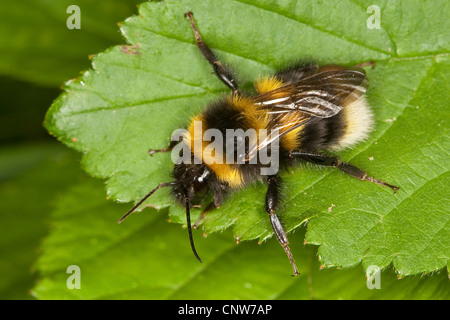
point(199, 184)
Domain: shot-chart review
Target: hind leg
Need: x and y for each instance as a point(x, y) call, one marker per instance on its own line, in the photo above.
point(272, 199)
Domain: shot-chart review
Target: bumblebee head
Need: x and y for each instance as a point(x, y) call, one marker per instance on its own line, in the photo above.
point(191, 180)
point(191, 183)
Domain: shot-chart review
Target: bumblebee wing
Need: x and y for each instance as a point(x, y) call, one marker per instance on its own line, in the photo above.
point(323, 94)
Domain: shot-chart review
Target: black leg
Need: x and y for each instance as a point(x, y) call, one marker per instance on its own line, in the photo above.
point(172, 144)
point(221, 71)
point(218, 198)
point(271, 206)
point(366, 64)
point(208, 208)
point(329, 161)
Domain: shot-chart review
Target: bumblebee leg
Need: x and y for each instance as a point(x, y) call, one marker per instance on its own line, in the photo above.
point(218, 198)
point(271, 206)
point(329, 161)
point(220, 70)
point(172, 144)
point(208, 208)
point(366, 64)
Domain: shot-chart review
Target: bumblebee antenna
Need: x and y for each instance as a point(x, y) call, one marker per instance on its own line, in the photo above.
point(161, 185)
point(188, 221)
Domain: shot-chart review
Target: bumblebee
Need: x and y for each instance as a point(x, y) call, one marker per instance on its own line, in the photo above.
point(312, 110)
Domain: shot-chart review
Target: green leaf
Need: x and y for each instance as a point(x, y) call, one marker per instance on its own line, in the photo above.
point(136, 95)
point(148, 258)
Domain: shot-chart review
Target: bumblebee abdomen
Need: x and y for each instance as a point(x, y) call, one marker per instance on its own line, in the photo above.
point(236, 112)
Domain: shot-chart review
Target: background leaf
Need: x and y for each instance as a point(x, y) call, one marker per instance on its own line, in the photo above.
point(136, 95)
point(36, 45)
point(151, 259)
point(31, 176)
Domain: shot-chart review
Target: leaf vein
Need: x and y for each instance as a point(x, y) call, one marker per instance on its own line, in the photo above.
point(339, 36)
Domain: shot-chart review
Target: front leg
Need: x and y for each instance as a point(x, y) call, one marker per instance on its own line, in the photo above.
point(218, 199)
point(329, 161)
point(172, 144)
point(272, 201)
point(208, 208)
